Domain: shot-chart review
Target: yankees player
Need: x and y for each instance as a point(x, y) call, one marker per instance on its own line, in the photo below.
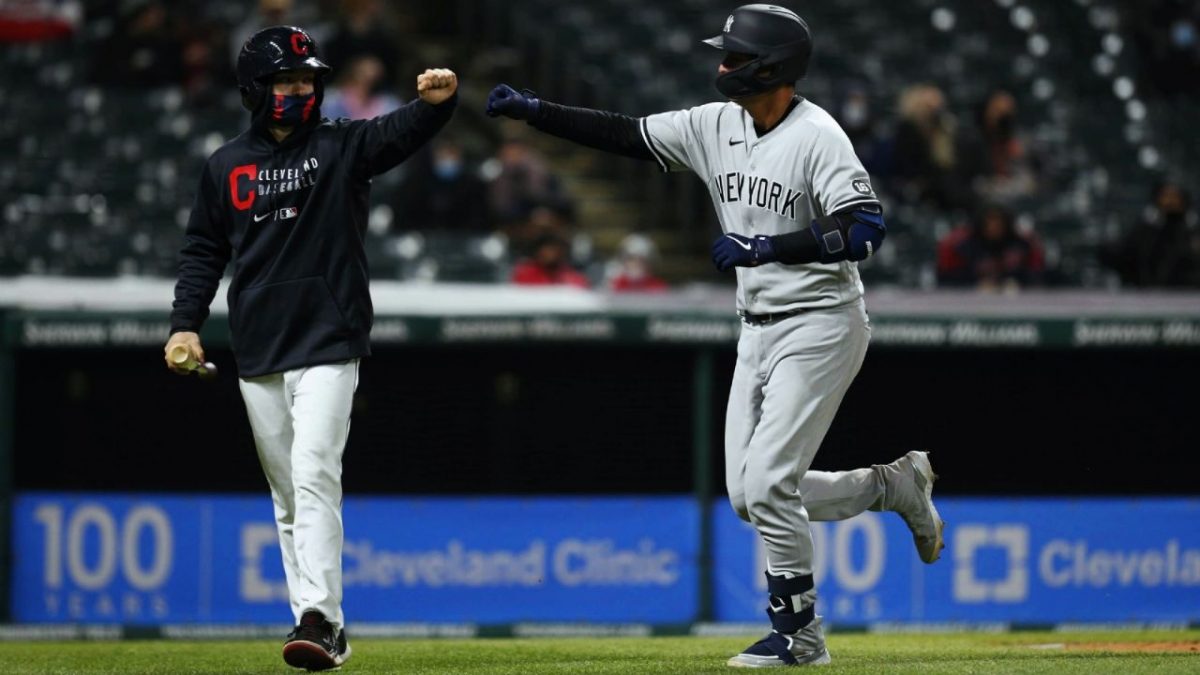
point(286, 201)
point(798, 212)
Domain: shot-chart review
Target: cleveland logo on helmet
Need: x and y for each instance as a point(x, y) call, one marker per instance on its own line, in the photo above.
point(300, 43)
point(274, 50)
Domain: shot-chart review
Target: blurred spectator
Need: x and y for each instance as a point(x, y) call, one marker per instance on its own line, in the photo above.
point(445, 193)
point(1167, 34)
point(520, 181)
point(996, 157)
point(924, 150)
point(38, 20)
point(633, 268)
point(206, 75)
point(557, 218)
point(859, 123)
point(990, 254)
point(1163, 249)
point(360, 31)
point(360, 92)
point(272, 13)
point(142, 51)
point(548, 264)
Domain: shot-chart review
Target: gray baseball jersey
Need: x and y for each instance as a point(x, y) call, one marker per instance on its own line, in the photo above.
point(803, 169)
point(792, 373)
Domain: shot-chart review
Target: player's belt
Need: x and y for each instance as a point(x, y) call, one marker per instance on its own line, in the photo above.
point(764, 319)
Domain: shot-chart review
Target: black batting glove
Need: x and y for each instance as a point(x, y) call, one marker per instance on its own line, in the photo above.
point(506, 101)
point(733, 250)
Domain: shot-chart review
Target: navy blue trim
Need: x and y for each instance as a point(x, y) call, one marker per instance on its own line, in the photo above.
point(781, 647)
point(857, 202)
point(783, 587)
point(791, 623)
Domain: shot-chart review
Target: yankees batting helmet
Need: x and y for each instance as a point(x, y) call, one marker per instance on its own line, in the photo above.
point(776, 37)
point(274, 50)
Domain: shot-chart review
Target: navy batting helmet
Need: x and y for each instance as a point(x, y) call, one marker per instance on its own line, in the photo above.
point(274, 50)
point(776, 37)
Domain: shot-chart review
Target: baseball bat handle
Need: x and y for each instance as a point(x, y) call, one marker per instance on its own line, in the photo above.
point(182, 358)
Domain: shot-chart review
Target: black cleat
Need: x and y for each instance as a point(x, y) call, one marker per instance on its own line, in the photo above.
point(312, 645)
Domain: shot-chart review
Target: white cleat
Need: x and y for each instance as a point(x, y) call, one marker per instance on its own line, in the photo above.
point(911, 495)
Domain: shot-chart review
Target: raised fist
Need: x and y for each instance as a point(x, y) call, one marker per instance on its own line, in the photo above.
point(506, 101)
point(436, 85)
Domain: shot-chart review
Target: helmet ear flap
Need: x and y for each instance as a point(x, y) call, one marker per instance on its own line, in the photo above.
point(766, 73)
point(319, 87)
point(254, 95)
point(247, 99)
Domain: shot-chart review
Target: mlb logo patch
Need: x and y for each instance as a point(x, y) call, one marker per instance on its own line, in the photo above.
point(289, 212)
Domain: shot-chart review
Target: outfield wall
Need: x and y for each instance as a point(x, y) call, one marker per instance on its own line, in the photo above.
point(498, 391)
point(168, 559)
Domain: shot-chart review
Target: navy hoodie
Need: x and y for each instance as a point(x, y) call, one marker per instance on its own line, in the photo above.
point(292, 217)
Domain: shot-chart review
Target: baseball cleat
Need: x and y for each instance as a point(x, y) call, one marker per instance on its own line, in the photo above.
point(312, 645)
point(912, 497)
point(776, 650)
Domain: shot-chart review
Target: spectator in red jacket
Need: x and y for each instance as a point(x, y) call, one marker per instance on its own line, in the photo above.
point(633, 268)
point(548, 264)
point(990, 254)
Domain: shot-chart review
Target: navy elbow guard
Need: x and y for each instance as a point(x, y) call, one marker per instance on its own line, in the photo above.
point(853, 234)
point(849, 235)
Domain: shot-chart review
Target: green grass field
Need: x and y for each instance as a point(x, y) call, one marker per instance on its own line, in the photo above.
point(1089, 652)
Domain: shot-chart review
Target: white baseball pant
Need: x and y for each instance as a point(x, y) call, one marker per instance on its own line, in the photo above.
point(301, 419)
point(789, 380)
